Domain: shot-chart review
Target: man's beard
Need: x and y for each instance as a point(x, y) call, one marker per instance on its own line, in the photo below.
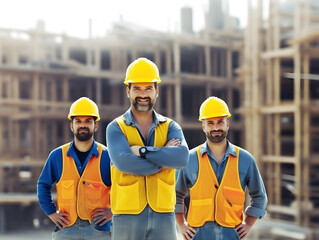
point(217, 139)
point(143, 108)
point(83, 136)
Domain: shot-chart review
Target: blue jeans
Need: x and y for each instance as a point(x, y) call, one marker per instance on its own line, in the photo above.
point(213, 231)
point(148, 225)
point(80, 230)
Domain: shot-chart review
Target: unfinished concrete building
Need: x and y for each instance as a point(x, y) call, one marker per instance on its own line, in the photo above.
point(42, 73)
point(281, 108)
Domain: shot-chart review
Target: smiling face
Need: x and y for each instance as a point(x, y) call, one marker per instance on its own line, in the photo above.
point(142, 96)
point(83, 127)
point(216, 129)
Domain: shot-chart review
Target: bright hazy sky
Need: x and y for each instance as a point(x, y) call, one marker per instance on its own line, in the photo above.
point(72, 16)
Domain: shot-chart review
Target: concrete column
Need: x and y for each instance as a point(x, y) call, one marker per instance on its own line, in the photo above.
point(54, 135)
point(43, 89)
point(15, 87)
point(11, 135)
point(169, 107)
point(89, 89)
point(65, 89)
point(208, 61)
point(54, 90)
point(208, 89)
point(157, 57)
point(229, 63)
point(223, 61)
point(168, 61)
point(36, 87)
point(36, 138)
point(178, 87)
point(98, 92)
point(215, 62)
point(97, 57)
point(66, 132)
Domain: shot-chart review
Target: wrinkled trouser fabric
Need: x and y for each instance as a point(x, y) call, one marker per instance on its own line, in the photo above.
point(81, 230)
point(148, 225)
point(213, 231)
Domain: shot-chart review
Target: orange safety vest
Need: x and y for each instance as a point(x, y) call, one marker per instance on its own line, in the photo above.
point(131, 193)
point(79, 196)
point(210, 201)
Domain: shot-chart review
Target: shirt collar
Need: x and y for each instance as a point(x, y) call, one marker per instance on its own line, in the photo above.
point(229, 150)
point(94, 150)
point(129, 119)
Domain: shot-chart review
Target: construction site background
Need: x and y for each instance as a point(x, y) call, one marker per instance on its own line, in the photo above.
point(267, 72)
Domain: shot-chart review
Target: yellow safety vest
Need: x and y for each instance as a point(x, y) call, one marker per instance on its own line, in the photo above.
point(131, 193)
point(79, 196)
point(210, 201)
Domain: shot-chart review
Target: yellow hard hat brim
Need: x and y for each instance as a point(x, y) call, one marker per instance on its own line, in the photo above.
point(201, 118)
point(128, 81)
point(82, 115)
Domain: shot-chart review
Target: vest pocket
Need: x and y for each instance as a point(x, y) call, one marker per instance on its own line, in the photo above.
point(92, 190)
point(200, 210)
point(128, 197)
point(234, 196)
point(231, 216)
point(67, 189)
point(166, 196)
point(234, 204)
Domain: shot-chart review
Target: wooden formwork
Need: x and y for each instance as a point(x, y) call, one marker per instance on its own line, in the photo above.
point(282, 106)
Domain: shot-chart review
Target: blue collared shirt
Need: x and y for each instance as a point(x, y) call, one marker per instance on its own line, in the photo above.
point(248, 173)
point(52, 171)
point(156, 158)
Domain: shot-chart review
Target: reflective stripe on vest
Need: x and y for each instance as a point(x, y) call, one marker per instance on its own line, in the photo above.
point(130, 193)
point(224, 203)
point(79, 196)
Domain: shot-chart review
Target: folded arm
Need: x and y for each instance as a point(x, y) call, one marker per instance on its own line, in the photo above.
point(174, 154)
point(122, 156)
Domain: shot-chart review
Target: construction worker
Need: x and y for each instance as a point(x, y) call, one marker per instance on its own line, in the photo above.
point(145, 149)
point(216, 177)
point(81, 171)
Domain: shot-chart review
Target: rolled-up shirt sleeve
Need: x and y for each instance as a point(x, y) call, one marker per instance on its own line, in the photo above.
point(181, 190)
point(257, 192)
point(185, 179)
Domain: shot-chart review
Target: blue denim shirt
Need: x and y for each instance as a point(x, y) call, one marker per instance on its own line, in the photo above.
point(156, 158)
point(248, 173)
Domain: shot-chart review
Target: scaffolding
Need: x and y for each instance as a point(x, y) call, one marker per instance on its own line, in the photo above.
point(281, 107)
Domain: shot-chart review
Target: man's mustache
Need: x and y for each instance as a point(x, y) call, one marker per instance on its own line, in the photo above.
point(143, 98)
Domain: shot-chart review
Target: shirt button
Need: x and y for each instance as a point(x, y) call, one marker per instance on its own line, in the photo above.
point(216, 186)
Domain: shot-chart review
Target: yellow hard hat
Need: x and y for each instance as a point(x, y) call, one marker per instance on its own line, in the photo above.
point(142, 70)
point(84, 107)
point(213, 107)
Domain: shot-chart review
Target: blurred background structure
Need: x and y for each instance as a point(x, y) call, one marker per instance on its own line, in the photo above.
point(280, 74)
point(267, 73)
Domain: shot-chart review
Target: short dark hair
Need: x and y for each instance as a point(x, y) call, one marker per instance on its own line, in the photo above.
point(130, 84)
